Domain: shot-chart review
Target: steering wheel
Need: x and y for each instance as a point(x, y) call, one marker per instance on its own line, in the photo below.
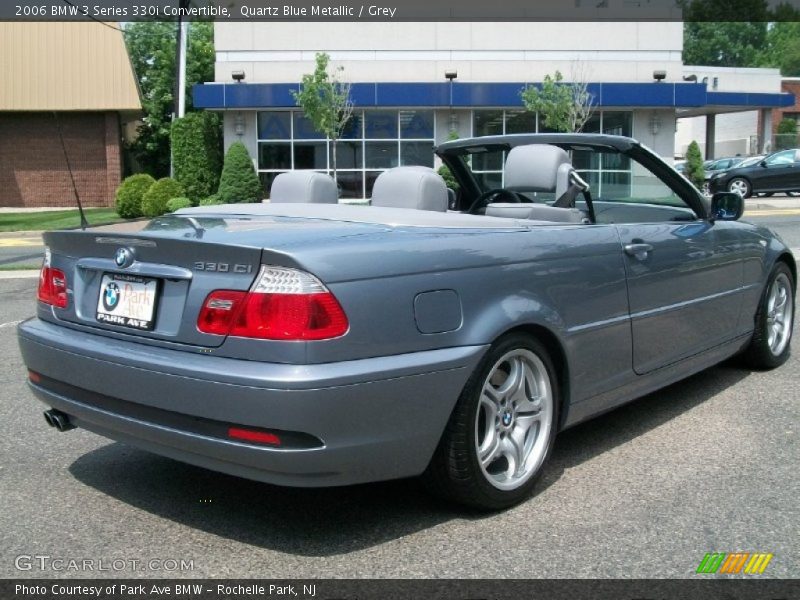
point(492, 196)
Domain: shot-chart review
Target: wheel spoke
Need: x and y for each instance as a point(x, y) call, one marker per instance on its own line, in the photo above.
point(489, 450)
point(515, 380)
point(513, 454)
point(489, 405)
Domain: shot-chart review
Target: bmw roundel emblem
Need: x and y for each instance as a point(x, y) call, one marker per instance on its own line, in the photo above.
point(123, 258)
point(110, 296)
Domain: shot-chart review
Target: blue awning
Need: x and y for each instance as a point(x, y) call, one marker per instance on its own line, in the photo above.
point(222, 96)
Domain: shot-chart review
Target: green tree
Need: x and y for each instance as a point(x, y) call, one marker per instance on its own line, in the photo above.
point(151, 47)
point(731, 44)
point(782, 49)
point(130, 193)
point(239, 182)
point(562, 106)
point(197, 153)
point(694, 165)
point(325, 100)
point(154, 202)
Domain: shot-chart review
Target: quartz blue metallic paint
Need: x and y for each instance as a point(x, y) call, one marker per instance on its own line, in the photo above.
point(426, 295)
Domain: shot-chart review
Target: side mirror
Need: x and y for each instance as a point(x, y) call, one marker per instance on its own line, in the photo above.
point(763, 163)
point(726, 206)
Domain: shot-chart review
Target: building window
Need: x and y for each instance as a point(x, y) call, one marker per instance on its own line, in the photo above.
point(605, 172)
point(374, 140)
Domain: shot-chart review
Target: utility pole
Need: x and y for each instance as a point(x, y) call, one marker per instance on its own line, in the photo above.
point(179, 95)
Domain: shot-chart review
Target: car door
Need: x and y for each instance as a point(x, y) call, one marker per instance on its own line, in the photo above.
point(682, 281)
point(778, 173)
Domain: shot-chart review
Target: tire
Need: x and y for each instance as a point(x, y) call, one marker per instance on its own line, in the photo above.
point(741, 186)
point(792, 194)
point(771, 342)
point(512, 430)
point(767, 194)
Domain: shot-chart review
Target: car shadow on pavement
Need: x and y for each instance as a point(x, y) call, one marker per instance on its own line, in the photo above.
point(331, 521)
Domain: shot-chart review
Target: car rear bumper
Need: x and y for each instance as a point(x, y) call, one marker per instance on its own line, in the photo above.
point(374, 419)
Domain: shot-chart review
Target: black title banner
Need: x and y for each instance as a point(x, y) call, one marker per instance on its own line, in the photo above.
point(405, 10)
point(389, 589)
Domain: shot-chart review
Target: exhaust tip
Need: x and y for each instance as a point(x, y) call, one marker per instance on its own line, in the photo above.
point(59, 420)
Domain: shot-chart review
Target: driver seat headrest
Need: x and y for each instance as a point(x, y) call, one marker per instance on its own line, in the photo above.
point(537, 168)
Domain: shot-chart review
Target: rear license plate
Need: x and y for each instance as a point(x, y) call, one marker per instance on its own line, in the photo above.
point(127, 300)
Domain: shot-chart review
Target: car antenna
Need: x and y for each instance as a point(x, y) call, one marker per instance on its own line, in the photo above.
point(84, 222)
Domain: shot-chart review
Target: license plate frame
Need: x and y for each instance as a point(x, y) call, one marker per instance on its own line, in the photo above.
point(128, 301)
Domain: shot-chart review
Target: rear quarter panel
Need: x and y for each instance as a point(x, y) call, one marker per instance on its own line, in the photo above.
point(567, 279)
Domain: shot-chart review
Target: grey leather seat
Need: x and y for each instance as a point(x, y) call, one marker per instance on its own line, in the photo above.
point(410, 187)
point(304, 186)
point(537, 168)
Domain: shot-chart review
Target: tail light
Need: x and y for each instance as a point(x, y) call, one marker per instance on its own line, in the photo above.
point(283, 304)
point(52, 285)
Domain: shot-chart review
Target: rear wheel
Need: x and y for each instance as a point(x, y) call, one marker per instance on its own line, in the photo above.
point(502, 428)
point(772, 337)
point(741, 186)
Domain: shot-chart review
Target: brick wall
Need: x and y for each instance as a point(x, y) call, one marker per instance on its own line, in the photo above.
point(33, 167)
point(792, 87)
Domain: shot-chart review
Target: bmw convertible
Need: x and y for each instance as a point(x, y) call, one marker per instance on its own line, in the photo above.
point(442, 333)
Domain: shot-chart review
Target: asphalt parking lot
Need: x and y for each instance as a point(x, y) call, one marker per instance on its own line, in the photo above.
point(706, 465)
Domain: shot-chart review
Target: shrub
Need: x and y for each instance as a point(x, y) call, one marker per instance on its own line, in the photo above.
point(448, 177)
point(694, 166)
point(787, 125)
point(178, 203)
point(239, 182)
point(197, 153)
point(162, 191)
point(211, 200)
point(130, 193)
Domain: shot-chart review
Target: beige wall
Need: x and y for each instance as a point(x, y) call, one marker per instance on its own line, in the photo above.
point(65, 66)
point(272, 52)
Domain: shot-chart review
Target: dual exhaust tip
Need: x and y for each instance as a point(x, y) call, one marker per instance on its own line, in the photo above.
point(59, 420)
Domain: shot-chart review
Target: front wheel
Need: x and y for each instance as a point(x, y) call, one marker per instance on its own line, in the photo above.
point(740, 186)
point(502, 428)
point(772, 336)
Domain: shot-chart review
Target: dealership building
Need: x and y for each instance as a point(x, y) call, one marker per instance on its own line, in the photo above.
point(417, 84)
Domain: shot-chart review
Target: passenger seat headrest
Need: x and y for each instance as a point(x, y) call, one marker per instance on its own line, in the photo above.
point(535, 168)
point(304, 186)
point(410, 187)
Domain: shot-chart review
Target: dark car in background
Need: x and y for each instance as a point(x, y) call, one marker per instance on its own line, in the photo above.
point(712, 167)
point(778, 172)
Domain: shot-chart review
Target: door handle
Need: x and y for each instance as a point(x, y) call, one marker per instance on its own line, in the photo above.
point(639, 251)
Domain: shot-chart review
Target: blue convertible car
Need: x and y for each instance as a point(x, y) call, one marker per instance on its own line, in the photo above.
point(448, 334)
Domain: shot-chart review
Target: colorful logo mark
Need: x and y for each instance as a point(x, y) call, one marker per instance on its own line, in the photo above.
point(750, 563)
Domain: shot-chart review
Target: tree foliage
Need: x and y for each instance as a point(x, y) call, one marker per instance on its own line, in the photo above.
point(694, 165)
point(325, 100)
point(151, 46)
point(760, 37)
point(197, 153)
point(178, 203)
point(239, 182)
point(154, 202)
point(130, 193)
point(562, 106)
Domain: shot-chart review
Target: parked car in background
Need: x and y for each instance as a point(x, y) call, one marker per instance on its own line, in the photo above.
point(308, 343)
point(778, 172)
point(717, 165)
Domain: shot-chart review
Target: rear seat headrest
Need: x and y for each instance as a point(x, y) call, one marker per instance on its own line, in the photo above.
point(304, 186)
point(410, 187)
